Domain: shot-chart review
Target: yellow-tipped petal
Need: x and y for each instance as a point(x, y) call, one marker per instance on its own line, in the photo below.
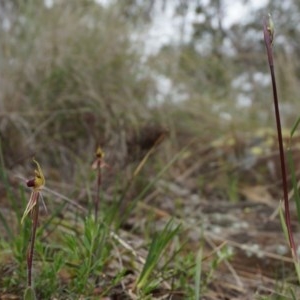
point(31, 204)
point(39, 179)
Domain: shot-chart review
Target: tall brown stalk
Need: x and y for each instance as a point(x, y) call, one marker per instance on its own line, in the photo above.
point(97, 165)
point(268, 29)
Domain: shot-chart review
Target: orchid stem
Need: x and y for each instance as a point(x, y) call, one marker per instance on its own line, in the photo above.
point(268, 29)
point(35, 216)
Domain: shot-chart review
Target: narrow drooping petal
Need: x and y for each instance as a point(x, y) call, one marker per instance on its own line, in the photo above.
point(31, 204)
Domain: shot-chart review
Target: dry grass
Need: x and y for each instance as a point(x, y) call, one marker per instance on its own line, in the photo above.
point(70, 79)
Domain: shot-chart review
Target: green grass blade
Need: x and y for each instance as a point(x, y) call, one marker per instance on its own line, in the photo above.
point(294, 182)
point(295, 127)
point(297, 268)
point(198, 272)
point(157, 247)
point(292, 294)
point(283, 223)
point(29, 294)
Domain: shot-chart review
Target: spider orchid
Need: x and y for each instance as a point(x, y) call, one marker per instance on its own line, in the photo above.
point(97, 165)
point(37, 184)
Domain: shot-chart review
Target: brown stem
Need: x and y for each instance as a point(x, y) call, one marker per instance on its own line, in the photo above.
point(268, 42)
point(35, 216)
point(97, 199)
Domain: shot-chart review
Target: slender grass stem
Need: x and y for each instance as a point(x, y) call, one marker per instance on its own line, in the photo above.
point(268, 38)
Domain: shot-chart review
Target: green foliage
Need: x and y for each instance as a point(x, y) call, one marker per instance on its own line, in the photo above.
point(198, 271)
point(233, 189)
point(29, 294)
point(52, 260)
point(291, 165)
point(223, 254)
point(89, 252)
point(186, 272)
point(294, 181)
point(293, 295)
point(296, 195)
point(158, 245)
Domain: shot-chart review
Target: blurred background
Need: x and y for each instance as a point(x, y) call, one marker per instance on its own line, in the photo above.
point(121, 74)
